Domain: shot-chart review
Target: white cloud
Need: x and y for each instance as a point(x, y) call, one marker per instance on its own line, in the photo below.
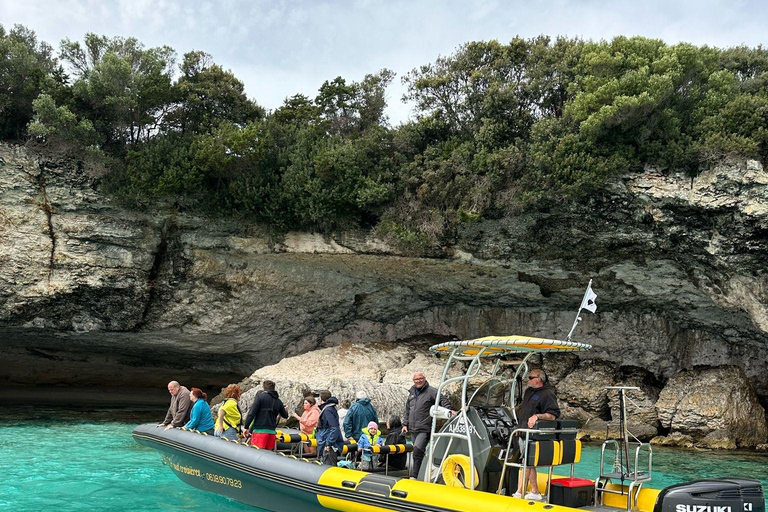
point(278, 49)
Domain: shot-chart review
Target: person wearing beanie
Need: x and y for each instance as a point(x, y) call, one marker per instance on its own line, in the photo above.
point(359, 415)
point(370, 436)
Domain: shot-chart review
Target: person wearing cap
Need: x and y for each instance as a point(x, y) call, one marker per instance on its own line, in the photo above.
point(360, 414)
point(369, 437)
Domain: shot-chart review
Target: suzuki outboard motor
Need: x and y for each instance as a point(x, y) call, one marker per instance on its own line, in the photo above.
point(712, 495)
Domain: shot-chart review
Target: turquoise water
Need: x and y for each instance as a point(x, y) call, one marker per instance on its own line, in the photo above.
point(673, 466)
point(88, 461)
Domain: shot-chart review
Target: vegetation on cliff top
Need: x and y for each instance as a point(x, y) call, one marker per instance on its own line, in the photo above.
point(496, 125)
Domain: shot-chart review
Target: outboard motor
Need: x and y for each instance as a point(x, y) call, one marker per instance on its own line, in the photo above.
point(751, 493)
point(712, 495)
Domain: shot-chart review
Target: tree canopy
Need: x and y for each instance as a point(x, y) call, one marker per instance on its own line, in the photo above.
point(496, 127)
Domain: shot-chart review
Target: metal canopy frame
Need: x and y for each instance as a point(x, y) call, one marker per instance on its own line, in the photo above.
point(475, 351)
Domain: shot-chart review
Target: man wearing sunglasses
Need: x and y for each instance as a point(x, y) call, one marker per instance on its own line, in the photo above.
point(539, 403)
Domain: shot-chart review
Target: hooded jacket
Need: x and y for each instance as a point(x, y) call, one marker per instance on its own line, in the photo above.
point(417, 417)
point(359, 415)
point(367, 441)
point(263, 413)
point(328, 433)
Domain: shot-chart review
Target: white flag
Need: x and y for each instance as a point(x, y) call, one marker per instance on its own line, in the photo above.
point(589, 299)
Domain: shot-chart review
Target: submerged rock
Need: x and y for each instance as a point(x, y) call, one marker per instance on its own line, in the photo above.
point(718, 440)
point(705, 400)
point(675, 439)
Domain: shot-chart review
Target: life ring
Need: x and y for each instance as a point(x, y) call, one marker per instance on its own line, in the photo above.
point(455, 471)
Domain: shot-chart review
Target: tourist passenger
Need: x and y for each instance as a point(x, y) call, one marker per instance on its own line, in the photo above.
point(329, 440)
point(418, 421)
point(229, 414)
point(360, 414)
point(308, 419)
point(539, 403)
point(200, 417)
point(178, 412)
point(397, 461)
point(369, 437)
point(343, 410)
point(263, 416)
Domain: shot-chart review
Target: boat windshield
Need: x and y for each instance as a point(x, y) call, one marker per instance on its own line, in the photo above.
point(495, 392)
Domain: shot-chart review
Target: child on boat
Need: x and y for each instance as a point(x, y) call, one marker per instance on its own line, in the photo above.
point(370, 437)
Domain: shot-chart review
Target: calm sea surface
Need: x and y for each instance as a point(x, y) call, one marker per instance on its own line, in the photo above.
point(86, 460)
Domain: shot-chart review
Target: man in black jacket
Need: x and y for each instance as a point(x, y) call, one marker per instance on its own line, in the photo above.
point(262, 417)
point(539, 403)
point(421, 397)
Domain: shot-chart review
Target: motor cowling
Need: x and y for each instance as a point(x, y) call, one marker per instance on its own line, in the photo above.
point(712, 495)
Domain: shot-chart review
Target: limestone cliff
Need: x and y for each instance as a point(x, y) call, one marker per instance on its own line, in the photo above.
point(708, 407)
point(90, 291)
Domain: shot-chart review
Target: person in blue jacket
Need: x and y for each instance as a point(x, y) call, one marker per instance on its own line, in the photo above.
point(200, 418)
point(328, 433)
point(369, 437)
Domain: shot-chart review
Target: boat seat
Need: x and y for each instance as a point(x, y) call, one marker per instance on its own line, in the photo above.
point(570, 451)
point(553, 453)
point(543, 453)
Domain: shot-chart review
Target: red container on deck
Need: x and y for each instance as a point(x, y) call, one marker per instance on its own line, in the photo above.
point(572, 492)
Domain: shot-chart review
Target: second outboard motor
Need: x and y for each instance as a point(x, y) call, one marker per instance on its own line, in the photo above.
point(712, 495)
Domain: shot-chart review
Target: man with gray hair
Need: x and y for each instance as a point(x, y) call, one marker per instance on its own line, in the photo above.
point(417, 421)
point(178, 412)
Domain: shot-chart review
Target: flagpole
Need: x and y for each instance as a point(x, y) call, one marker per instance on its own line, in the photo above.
point(578, 318)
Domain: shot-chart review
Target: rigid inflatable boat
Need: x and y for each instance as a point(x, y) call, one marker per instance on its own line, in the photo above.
point(472, 462)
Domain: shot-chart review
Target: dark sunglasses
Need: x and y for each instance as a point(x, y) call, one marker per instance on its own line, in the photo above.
point(531, 377)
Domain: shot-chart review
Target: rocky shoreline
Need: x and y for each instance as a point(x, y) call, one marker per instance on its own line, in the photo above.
point(90, 291)
point(703, 408)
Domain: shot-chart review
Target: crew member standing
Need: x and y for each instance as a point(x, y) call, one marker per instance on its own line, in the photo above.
point(421, 397)
point(539, 403)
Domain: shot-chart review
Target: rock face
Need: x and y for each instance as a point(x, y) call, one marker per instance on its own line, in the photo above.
point(91, 292)
point(690, 406)
point(713, 404)
point(383, 371)
point(585, 388)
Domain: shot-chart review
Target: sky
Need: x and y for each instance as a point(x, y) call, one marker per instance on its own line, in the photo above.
point(281, 48)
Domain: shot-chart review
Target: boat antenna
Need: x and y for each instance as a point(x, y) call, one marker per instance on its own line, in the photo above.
point(624, 432)
point(588, 303)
